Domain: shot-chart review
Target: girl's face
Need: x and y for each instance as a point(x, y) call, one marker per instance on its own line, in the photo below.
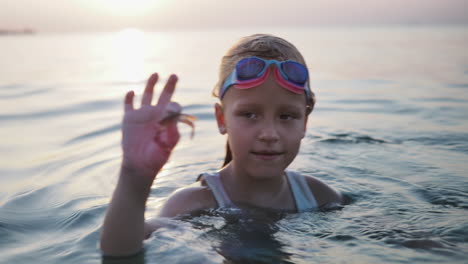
point(265, 125)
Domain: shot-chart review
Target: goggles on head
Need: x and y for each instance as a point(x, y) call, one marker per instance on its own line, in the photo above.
point(253, 71)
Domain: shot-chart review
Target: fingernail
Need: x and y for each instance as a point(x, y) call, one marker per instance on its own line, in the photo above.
point(174, 107)
point(173, 78)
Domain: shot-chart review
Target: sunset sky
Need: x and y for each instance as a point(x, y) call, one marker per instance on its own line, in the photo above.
point(104, 15)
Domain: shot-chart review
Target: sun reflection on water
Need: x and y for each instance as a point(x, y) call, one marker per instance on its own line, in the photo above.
point(129, 50)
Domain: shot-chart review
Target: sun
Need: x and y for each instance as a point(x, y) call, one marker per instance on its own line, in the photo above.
point(128, 7)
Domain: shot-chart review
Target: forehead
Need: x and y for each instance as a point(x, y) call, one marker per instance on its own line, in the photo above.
point(268, 94)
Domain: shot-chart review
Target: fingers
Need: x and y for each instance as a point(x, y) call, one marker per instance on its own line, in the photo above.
point(167, 92)
point(149, 89)
point(164, 99)
point(128, 102)
point(171, 113)
point(173, 135)
point(173, 107)
point(168, 137)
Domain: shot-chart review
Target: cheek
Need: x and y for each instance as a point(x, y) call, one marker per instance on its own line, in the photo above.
point(293, 136)
point(292, 148)
point(232, 128)
point(293, 140)
point(239, 145)
point(236, 133)
point(295, 129)
point(240, 136)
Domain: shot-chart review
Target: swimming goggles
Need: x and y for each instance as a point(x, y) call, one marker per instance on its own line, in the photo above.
point(253, 71)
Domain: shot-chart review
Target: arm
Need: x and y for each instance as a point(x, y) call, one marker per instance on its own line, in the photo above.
point(146, 146)
point(123, 228)
point(324, 194)
point(195, 197)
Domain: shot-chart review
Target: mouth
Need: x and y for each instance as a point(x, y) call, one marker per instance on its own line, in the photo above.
point(267, 155)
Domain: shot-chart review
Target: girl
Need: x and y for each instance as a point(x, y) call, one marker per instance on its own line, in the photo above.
point(265, 100)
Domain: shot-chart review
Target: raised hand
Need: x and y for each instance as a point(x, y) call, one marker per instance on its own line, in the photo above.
point(146, 141)
point(149, 134)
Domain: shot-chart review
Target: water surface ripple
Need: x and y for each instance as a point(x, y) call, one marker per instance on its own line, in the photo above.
point(389, 131)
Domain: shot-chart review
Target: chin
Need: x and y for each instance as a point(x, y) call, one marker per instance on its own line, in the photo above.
point(266, 173)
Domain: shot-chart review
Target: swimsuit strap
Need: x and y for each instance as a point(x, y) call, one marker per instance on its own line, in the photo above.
point(213, 180)
point(303, 195)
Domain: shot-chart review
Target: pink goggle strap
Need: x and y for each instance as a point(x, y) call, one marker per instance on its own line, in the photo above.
point(278, 77)
point(288, 85)
point(252, 83)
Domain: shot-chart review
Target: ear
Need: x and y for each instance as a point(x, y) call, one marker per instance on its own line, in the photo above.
point(220, 119)
point(305, 125)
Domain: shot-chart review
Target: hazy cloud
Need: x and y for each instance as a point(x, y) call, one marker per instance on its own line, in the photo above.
point(83, 15)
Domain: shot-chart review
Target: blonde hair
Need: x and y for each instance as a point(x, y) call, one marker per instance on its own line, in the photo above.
point(264, 46)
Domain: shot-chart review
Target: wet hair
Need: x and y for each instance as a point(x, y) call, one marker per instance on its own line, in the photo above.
point(264, 46)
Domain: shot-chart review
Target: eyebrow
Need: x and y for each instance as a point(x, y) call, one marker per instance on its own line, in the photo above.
point(293, 106)
point(256, 105)
point(242, 105)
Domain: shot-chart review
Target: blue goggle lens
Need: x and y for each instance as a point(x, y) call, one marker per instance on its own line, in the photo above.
point(249, 68)
point(295, 72)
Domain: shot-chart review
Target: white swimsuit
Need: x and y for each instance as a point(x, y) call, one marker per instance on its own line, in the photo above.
point(303, 196)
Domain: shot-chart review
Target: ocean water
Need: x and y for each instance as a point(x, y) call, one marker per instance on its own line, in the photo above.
point(390, 131)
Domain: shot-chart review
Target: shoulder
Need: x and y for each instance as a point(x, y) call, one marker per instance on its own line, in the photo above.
point(188, 199)
point(323, 193)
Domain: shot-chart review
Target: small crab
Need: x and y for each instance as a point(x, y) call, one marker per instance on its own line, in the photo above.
point(180, 117)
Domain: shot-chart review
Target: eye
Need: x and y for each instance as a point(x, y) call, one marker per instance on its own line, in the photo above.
point(288, 116)
point(249, 115)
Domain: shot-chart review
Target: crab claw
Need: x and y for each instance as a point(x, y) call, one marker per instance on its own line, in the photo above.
point(179, 117)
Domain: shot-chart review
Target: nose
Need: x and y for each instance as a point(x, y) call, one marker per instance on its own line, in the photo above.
point(268, 132)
